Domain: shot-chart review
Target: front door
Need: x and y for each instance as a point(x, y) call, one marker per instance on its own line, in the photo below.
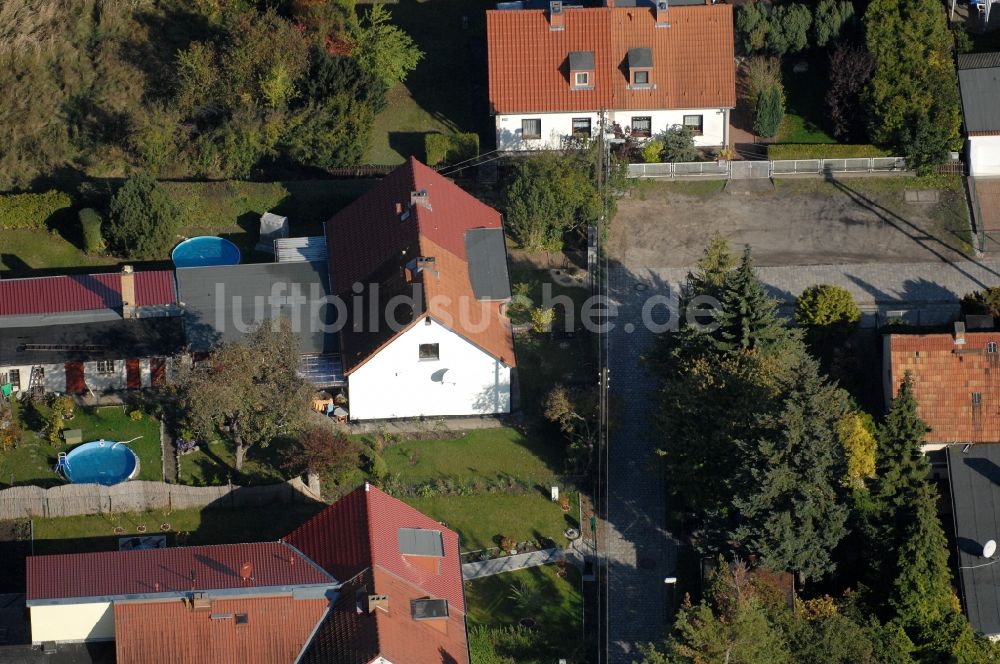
point(158, 371)
point(133, 375)
point(75, 383)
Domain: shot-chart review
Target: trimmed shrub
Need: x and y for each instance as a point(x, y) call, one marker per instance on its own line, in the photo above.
point(32, 211)
point(450, 148)
point(781, 151)
point(652, 150)
point(769, 112)
point(143, 219)
point(90, 226)
point(826, 306)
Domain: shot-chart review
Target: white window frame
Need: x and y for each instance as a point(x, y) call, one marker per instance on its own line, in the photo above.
point(581, 79)
point(525, 135)
point(700, 129)
point(635, 77)
point(590, 127)
point(648, 132)
point(105, 367)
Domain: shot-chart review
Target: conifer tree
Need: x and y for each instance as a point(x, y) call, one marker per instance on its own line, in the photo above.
point(749, 319)
point(790, 496)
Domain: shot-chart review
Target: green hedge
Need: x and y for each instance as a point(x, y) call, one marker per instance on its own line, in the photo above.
point(33, 211)
point(90, 227)
point(450, 148)
point(781, 151)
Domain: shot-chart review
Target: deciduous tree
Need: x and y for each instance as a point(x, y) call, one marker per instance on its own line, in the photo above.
point(383, 49)
point(249, 391)
point(851, 68)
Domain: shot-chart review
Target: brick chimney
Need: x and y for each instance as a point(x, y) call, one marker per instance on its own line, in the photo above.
point(556, 16)
point(959, 333)
point(128, 292)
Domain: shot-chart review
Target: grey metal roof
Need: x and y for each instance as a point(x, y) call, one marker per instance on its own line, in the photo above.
point(299, 249)
point(640, 58)
point(975, 494)
point(978, 60)
point(487, 258)
point(421, 542)
point(581, 61)
point(86, 342)
point(980, 89)
point(222, 303)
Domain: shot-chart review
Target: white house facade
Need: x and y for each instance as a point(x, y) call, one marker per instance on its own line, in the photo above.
point(546, 131)
point(647, 67)
point(979, 84)
point(984, 155)
point(429, 371)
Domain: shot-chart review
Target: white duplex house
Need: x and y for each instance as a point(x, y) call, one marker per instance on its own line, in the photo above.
point(647, 67)
point(421, 269)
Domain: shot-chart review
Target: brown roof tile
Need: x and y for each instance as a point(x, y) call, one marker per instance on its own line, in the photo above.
point(276, 631)
point(370, 245)
point(945, 376)
point(693, 65)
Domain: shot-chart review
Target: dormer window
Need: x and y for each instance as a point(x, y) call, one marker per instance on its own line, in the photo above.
point(640, 64)
point(581, 68)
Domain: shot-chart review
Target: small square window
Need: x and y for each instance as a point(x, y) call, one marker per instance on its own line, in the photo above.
point(531, 128)
point(430, 352)
point(242, 619)
point(581, 127)
point(991, 347)
point(582, 79)
point(640, 77)
point(977, 398)
point(105, 366)
point(642, 127)
point(694, 123)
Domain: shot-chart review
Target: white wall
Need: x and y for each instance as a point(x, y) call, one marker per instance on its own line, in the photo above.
point(397, 383)
point(24, 378)
point(104, 382)
point(73, 622)
point(984, 155)
point(555, 126)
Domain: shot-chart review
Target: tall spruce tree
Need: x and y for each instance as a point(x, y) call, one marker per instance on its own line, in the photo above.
point(749, 319)
point(790, 495)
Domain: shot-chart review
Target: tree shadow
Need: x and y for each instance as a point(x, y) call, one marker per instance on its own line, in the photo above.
point(409, 143)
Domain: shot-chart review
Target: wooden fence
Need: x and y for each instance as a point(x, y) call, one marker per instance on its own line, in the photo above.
point(23, 502)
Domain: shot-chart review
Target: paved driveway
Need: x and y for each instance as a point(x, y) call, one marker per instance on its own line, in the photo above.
point(800, 222)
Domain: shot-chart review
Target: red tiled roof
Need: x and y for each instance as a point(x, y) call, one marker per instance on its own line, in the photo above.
point(83, 292)
point(181, 569)
point(277, 629)
point(945, 376)
point(368, 244)
point(360, 532)
point(693, 65)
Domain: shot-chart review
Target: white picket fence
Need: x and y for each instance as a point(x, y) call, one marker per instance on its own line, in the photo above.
point(766, 169)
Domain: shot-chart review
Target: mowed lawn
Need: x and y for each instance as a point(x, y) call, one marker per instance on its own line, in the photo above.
point(230, 209)
point(484, 453)
point(31, 462)
point(481, 520)
point(191, 527)
point(447, 91)
point(489, 454)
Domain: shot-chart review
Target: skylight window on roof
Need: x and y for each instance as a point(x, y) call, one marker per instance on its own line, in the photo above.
point(429, 609)
point(420, 542)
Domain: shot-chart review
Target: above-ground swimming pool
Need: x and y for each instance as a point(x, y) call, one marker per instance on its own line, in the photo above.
point(100, 462)
point(204, 251)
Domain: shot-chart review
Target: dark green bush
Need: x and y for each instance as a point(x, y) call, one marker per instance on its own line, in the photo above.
point(90, 226)
point(450, 148)
point(32, 211)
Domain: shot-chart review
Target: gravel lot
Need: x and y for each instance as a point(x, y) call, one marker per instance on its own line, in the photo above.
point(794, 222)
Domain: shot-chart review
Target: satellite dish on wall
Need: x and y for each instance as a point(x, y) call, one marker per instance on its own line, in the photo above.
point(989, 549)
